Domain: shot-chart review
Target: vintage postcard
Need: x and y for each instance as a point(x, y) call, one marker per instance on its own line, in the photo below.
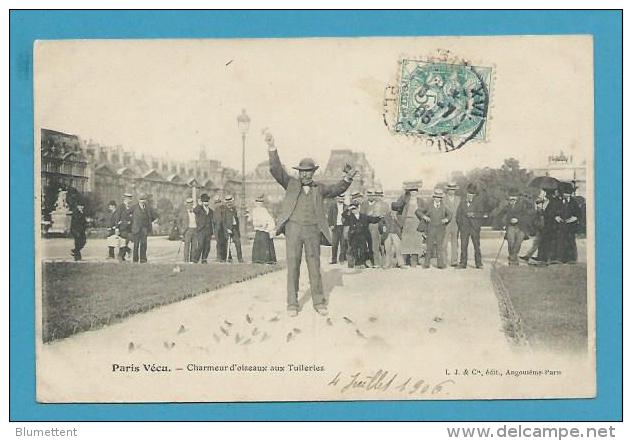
point(319, 219)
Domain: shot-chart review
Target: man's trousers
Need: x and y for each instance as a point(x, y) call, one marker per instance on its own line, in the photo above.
point(298, 237)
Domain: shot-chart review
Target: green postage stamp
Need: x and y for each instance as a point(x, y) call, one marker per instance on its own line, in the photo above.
point(446, 102)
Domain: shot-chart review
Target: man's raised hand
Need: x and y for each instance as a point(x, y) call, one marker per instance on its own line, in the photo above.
point(269, 139)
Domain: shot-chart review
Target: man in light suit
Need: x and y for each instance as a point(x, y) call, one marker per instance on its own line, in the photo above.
point(452, 202)
point(188, 226)
point(335, 218)
point(302, 219)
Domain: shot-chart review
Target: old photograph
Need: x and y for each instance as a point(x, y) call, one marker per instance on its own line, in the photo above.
point(315, 219)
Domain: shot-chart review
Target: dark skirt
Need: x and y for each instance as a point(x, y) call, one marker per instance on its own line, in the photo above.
point(263, 248)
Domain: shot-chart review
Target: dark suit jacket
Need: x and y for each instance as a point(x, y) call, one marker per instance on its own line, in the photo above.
point(142, 218)
point(123, 218)
point(78, 224)
point(204, 221)
point(519, 212)
point(292, 188)
point(359, 226)
point(332, 213)
point(436, 216)
point(471, 218)
point(230, 220)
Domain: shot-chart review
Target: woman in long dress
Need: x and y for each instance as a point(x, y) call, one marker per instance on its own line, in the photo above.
point(263, 245)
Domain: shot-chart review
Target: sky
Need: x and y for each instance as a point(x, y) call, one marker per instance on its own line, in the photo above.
point(171, 97)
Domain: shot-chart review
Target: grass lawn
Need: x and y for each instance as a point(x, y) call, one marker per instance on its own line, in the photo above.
point(548, 305)
point(82, 296)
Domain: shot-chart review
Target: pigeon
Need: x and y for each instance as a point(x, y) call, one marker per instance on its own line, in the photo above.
point(248, 318)
point(182, 329)
point(347, 319)
point(224, 331)
point(228, 323)
point(130, 347)
point(289, 337)
point(274, 319)
point(237, 338)
point(438, 319)
point(169, 345)
point(329, 322)
point(247, 341)
point(264, 336)
point(432, 330)
point(296, 330)
point(373, 319)
point(216, 337)
point(255, 331)
point(360, 334)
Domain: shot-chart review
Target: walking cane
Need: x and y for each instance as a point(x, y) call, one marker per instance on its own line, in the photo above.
point(500, 249)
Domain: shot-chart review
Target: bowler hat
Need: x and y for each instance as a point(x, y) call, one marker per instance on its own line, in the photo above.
point(204, 197)
point(472, 188)
point(513, 193)
point(142, 197)
point(228, 198)
point(306, 164)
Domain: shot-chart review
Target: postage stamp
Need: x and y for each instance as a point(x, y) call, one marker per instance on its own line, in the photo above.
point(444, 100)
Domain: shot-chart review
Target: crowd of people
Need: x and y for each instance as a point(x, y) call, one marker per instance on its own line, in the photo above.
point(370, 232)
point(129, 224)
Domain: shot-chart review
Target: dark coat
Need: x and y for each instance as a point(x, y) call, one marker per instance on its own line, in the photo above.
point(218, 221)
point(78, 224)
point(519, 212)
point(230, 220)
point(332, 213)
point(111, 220)
point(204, 221)
point(390, 224)
point(142, 218)
point(123, 218)
point(292, 188)
point(471, 218)
point(436, 215)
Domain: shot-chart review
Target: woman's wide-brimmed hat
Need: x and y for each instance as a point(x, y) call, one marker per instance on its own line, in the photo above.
point(306, 164)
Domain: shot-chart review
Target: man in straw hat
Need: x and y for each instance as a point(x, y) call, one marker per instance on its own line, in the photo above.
point(230, 223)
point(469, 217)
point(451, 238)
point(375, 207)
point(123, 219)
point(188, 226)
point(335, 220)
point(302, 219)
point(218, 228)
point(435, 216)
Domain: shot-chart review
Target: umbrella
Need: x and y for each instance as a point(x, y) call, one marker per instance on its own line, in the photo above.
point(544, 182)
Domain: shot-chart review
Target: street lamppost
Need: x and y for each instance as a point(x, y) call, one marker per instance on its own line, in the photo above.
point(243, 124)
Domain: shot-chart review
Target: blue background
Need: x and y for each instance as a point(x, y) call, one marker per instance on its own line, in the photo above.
point(605, 26)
